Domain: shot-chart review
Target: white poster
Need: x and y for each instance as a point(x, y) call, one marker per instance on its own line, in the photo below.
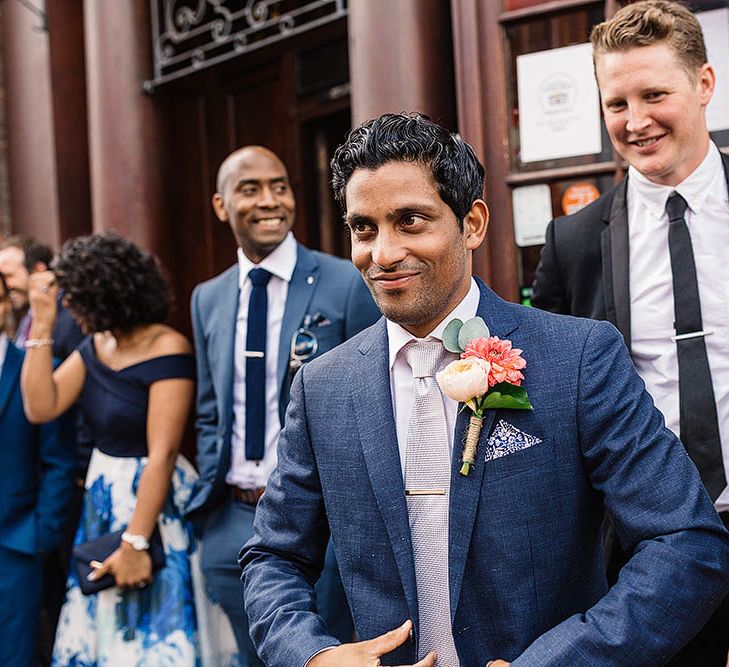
point(532, 209)
point(715, 24)
point(559, 105)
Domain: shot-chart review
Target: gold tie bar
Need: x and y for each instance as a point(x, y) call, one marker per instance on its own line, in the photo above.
point(425, 492)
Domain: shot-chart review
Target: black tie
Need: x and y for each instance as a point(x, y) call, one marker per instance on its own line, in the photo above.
point(256, 365)
point(698, 421)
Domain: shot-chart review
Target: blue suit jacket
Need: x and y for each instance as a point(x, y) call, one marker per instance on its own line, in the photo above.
point(320, 283)
point(37, 470)
point(526, 575)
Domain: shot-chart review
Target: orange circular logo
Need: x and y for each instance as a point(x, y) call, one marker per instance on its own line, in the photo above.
point(577, 196)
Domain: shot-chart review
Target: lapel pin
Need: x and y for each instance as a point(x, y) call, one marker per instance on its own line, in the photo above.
point(310, 280)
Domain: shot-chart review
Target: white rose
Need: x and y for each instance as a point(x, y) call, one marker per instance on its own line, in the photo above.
point(464, 379)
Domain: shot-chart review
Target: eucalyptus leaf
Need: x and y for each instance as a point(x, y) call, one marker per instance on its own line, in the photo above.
point(450, 336)
point(505, 395)
point(474, 328)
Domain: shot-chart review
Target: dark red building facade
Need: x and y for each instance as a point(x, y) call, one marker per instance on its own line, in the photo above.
point(118, 112)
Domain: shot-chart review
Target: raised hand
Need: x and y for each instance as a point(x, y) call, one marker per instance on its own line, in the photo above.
point(42, 294)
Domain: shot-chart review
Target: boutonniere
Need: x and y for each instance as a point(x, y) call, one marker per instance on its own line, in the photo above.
point(488, 375)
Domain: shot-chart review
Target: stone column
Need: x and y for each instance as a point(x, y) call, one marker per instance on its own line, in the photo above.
point(31, 157)
point(400, 58)
point(124, 130)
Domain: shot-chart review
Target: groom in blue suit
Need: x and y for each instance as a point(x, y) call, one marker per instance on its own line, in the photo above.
point(522, 580)
point(37, 478)
point(250, 339)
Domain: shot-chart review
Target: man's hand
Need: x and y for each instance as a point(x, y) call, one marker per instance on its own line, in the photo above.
point(367, 653)
point(497, 663)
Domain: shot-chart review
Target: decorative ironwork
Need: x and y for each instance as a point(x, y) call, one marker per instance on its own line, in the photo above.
point(190, 35)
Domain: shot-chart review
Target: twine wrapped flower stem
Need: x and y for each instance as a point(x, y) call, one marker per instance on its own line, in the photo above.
point(469, 448)
point(487, 376)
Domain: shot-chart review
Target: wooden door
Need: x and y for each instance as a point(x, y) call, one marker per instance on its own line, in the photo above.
point(267, 99)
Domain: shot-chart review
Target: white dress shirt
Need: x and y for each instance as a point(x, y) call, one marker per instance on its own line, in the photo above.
point(651, 287)
point(3, 350)
point(401, 375)
point(280, 263)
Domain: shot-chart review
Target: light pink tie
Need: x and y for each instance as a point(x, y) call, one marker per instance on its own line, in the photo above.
point(427, 487)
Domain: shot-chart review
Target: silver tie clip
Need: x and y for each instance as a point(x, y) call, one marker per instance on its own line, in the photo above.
point(254, 354)
point(693, 334)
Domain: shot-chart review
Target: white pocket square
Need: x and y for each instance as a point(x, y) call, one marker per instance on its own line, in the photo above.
point(507, 439)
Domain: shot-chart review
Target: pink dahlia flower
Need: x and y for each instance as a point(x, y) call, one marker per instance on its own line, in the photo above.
point(506, 362)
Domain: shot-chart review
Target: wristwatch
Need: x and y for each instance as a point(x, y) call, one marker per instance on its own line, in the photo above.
point(137, 542)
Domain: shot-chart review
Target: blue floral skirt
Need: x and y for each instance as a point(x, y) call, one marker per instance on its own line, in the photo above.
point(170, 622)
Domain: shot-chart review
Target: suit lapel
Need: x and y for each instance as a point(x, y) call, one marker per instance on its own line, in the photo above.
point(616, 262)
point(226, 307)
point(465, 494)
point(466, 491)
point(301, 290)
point(9, 377)
point(725, 160)
point(370, 382)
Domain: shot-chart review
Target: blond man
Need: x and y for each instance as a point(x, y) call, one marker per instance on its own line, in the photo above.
point(647, 255)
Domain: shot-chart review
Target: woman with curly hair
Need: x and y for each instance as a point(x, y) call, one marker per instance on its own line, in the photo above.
point(134, 378)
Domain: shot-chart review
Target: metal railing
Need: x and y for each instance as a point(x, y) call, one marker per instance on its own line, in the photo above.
point(191, 35)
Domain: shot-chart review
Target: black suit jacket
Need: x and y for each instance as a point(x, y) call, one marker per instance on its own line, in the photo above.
point(584, 265)
point(584, 271)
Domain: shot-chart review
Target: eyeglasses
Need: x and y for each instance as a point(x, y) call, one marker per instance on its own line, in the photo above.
point(304, 346)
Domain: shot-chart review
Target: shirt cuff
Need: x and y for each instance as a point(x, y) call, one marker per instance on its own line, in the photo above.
point(328, 648)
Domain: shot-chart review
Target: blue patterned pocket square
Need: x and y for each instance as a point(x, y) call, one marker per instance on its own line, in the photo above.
point(507, 439)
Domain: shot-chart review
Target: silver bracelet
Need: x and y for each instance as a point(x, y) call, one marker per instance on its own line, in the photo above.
point(34, 343)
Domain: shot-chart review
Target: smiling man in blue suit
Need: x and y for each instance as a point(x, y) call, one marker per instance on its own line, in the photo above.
point(504, 564)
point(278, 307)
point(37, 477)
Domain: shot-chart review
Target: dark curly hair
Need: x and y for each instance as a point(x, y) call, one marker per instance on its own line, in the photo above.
point(110, 284)
point(412, 138)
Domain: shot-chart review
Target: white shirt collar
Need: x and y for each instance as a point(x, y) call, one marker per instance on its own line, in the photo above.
point(695, 188)
point(281, 262)
point(3, 349)
point(398, 337)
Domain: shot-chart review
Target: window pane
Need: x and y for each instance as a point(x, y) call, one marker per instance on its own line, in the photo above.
point(542, 33)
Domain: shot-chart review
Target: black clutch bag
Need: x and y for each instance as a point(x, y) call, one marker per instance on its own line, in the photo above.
point(100, 549)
